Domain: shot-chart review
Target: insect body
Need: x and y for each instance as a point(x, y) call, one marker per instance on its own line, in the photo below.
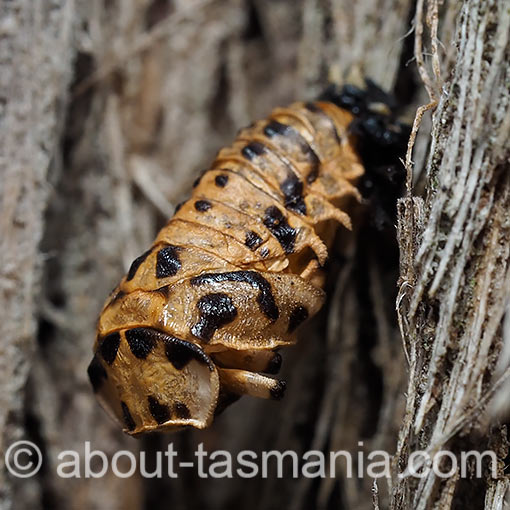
point(198, 318)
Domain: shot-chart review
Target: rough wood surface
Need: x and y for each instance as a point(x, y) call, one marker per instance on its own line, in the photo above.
point(108, 111)
point(35, 69)
point(455, 250)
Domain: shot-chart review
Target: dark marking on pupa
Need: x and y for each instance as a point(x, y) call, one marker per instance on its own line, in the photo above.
point(126, 415)
point(274, 128)
point(221, 180)
point(216, 311)
point(97, 374)
point(298, 315)
point(136, 264)
point(278, 390)
point(181, 411)
point(252, 240)
point(202, 205)
point(292, 189)
point(160, 412)
point(180, 352)
point(277, 224)
point(141, 341)
point(109, 346)
point(274, 365)
point(265, 298)
point(167, 262)
point(252, 150)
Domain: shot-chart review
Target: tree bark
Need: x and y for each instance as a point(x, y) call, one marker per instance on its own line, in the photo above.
point(109, 109)
point(455, 271)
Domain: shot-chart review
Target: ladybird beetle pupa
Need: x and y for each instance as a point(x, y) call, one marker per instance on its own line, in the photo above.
point(198, 318)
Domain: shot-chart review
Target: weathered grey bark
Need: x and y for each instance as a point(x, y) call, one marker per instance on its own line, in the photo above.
point(91, 170)
point(35, 69)
point(455, 250)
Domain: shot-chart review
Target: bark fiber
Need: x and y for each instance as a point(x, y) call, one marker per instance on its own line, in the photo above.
point(108, 111)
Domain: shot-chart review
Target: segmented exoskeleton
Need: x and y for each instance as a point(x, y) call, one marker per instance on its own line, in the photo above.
point(237, 269)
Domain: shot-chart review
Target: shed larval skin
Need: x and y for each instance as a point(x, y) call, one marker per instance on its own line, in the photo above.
point(198, 318)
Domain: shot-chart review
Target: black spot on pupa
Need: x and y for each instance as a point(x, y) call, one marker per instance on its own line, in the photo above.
point(314, 162)
point(264, 252)
point(160, 412)
point(118, 296)
point(277, 224)
point(97, 373)
point(278, 390)
point(164, 291)
point(141, 341)
point(292, 189)
point(221, 180)
point(109, 346)
point(136, 264)
point(297, 317)
point(265, 299)
point(196, 182)
point(180, 353)
point(307, 149)
point(274, 365)
point(276, 128)
point(202, 205)
point(178, 206)
point(252, 240)
point(126, 415)
point(216, 310)
point(181, 411)
point(312, 107)
point(167, 262)
point(252, 150)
